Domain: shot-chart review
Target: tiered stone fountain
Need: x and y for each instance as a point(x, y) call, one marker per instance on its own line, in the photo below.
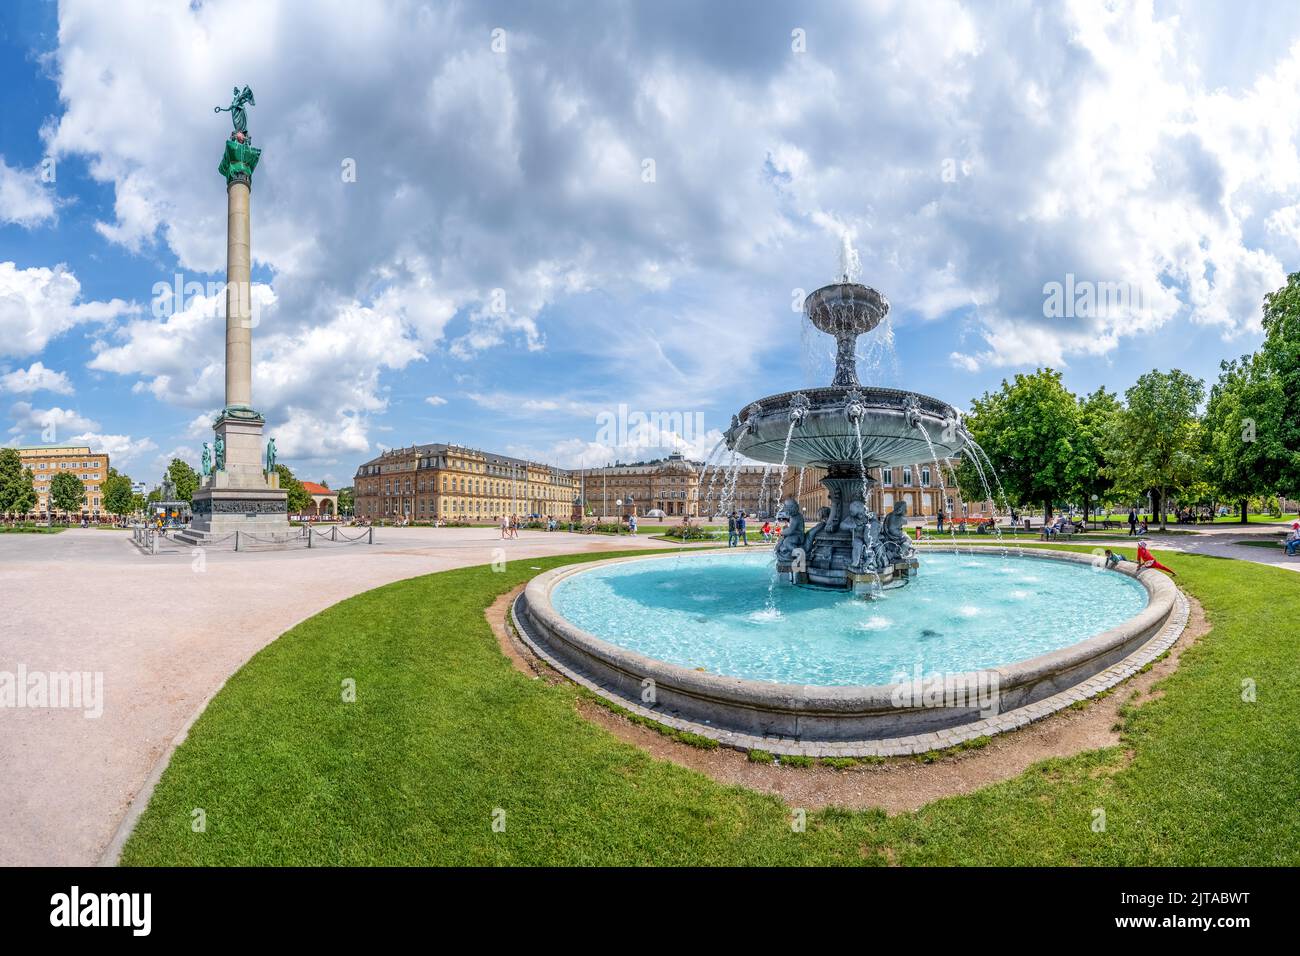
point(793, 672)
point(850, 430)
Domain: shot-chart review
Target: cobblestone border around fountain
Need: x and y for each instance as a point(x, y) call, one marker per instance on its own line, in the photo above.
point(1046, 684)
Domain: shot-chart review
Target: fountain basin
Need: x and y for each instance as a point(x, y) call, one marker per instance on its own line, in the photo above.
point(816, 708)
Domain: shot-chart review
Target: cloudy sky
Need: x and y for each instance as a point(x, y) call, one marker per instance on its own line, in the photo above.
point(495, 223)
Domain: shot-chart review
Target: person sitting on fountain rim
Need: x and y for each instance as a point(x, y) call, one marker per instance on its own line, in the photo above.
point(1146, 560)
point(1112, 560)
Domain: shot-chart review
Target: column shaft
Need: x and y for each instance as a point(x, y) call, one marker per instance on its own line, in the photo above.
point(239, 311)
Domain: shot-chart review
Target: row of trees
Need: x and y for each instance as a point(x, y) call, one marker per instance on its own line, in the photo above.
point(68, 492)
point(1050, 446)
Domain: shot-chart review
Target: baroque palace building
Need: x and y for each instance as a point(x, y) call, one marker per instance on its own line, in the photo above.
point(457, 483)
point(46, 461)
point(672, 485)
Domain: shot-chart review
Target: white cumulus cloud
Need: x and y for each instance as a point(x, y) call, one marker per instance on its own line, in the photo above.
point(35, 378)
point(39, 304)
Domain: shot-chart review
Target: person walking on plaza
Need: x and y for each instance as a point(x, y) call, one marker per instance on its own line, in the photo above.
point(740, 529)
point(1132, 523)
point(939, 516)
point(731, 529)
point(505, 527)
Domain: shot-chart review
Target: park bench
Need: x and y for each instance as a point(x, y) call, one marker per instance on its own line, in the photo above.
point(1108, 524)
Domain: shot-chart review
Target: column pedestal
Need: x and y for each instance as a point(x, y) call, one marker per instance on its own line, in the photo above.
point(240, 496)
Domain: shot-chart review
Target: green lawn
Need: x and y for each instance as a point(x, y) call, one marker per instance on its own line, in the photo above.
point(444, 731)
point(31, 529)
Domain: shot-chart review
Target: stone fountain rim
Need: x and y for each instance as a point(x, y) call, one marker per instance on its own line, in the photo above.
point(729, 699)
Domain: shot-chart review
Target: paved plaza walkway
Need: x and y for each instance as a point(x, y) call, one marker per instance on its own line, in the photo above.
point(166, 636)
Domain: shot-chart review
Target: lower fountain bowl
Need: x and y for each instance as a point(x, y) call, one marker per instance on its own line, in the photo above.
point(977, 695)
point(825, 434)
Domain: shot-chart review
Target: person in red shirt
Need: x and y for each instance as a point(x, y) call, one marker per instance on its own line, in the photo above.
point(1147, 560)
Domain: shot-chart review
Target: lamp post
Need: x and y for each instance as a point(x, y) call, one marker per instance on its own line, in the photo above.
point(618, 502)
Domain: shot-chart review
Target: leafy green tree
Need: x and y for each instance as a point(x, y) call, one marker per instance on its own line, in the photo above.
point(117, 493)
point(1098, 416)
point(17, 492)
point(1280, 355)
point(1158, 435)
point(185, 479)
point(1241, 440)
point(299, 499)
point(137, 504)
point(24, 499)
point(347, 500)
point(11, 474)
point(1029, 429)
point(67, 493)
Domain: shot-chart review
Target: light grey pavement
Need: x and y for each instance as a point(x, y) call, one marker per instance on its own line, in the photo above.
point(166, 636)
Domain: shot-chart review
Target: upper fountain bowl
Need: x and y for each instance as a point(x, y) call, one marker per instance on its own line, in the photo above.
point(845, 308)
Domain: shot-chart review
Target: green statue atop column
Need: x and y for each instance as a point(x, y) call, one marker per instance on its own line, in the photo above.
point(238, 115)
point(241, 156)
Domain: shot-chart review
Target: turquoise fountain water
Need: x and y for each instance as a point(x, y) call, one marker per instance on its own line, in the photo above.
point(967, 612)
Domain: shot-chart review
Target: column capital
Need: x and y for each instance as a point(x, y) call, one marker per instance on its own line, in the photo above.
point(238, 162)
